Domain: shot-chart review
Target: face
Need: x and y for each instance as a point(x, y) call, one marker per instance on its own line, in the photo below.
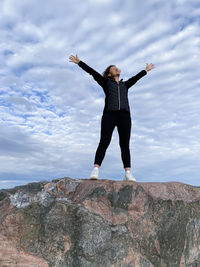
point(114, 71)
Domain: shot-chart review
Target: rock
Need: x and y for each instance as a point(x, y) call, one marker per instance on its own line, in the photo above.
point(83, 222)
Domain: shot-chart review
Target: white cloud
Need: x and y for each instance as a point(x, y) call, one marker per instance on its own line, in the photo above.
point(51, 109)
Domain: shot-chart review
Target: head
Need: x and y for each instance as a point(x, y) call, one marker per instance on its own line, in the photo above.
point(111, 71)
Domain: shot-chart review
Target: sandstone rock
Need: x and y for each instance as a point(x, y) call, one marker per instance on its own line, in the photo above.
point(82, 222)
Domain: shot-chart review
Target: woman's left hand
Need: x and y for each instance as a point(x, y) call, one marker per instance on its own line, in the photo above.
point(149, 66)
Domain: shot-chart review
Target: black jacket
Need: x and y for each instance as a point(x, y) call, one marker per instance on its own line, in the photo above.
point(116, 93)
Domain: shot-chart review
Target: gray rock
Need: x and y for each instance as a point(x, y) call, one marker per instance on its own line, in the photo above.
point(82, 222)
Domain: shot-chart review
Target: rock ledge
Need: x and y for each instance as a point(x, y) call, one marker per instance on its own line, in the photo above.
point(83, 222)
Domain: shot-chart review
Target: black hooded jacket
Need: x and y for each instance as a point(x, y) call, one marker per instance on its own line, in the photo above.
point(116, 93)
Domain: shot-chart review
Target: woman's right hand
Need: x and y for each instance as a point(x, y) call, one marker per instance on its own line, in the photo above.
point(74, 59)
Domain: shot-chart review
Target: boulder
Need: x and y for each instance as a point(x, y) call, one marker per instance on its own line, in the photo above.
point(83, 222)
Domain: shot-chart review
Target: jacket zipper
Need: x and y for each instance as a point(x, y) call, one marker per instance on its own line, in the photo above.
point(119, 96)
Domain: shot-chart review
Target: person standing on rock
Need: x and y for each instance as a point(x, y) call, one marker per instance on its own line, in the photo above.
point(116, 112)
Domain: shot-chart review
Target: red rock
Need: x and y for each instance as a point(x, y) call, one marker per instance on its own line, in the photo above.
point(83, 222)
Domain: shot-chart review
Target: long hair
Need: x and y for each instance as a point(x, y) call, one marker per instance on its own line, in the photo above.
point(106, 71)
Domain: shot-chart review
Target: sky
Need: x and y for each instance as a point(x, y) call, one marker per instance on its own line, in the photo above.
point(51, 109)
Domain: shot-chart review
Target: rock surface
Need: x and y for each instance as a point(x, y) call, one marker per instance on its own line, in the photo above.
point(82, 222)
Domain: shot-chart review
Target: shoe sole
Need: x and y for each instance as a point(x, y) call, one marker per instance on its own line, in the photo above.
point(130, 180)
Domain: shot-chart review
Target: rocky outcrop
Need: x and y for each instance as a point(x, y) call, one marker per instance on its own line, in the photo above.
point(82, 222)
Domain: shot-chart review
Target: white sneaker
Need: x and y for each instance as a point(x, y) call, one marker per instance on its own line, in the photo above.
point(94, 174)
point(129, 177)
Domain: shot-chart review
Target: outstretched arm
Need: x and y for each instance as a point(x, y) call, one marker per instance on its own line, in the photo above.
point(97, 76)
point(131, 81)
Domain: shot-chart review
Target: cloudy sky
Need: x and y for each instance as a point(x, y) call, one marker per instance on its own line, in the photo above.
point(50, 109)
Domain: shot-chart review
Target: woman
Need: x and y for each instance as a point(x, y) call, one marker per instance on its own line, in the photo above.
point(116, 112)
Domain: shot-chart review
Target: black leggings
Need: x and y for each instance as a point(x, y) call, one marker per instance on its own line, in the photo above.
point(110, 119)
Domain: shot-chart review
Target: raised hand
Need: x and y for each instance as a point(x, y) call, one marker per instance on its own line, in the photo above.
point(149, 66)
point(74, 59)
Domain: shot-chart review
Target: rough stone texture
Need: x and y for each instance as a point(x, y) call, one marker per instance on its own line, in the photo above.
point(82, 222)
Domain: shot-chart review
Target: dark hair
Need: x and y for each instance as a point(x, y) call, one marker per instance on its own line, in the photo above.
point(107, 70)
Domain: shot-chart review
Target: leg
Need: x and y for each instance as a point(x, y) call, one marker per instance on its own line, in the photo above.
point(108, 123)
point(96, 165)
point(124, 130)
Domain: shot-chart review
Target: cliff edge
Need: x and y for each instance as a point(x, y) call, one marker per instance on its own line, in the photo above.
point(83, 222)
